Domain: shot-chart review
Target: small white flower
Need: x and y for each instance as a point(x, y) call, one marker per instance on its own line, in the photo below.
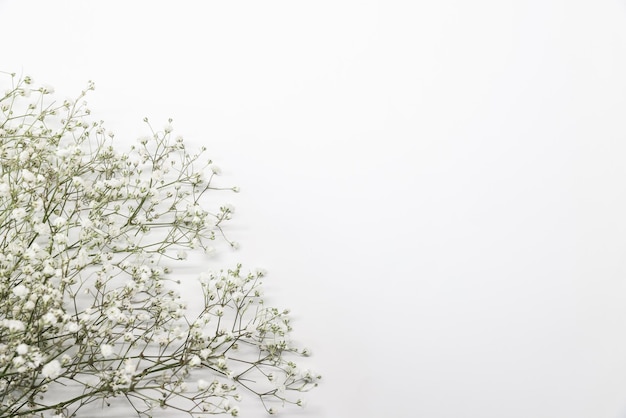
point(130, 368)
point(82, 258)
point(51, 370)
point(49, 270)
point(215, 169)
point(106, 350)
point(22, 349)
point(20, 291)
point(41, 228)
point(72, 326)
point(5, 190)
point(47, 89)
point(14, 325)
point(78, 181)
point(181, 255)
point(205, 353)
point(59, 222)
point(113, 183)
point(157, 175)
point(18, 214)
point(28, 176)
point(195, 361)
point(60, 239)
point(49, 319)
point(203, 384)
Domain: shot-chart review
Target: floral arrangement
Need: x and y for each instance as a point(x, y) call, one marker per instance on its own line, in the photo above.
point(88, 237)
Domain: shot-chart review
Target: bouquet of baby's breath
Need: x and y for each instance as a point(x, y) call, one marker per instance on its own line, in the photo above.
point(90, 311)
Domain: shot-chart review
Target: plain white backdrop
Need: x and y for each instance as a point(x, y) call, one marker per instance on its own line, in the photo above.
point(437, 189)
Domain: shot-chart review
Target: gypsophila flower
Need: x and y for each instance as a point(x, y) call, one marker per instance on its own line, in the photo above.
point(215, 169)
point(202, 384)
point(20, 291)
point(106, 350)
point(90, 228)
point(51, 370)
point(13, 325)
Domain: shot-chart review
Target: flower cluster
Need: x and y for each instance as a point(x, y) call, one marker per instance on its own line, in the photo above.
point(88, 233)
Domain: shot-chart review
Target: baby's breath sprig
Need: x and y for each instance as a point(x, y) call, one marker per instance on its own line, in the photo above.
point(87, 232)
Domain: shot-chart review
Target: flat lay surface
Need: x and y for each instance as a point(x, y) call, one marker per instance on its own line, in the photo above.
point(436, 189)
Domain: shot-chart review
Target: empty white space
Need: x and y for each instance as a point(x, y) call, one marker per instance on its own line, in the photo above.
point(437, 188)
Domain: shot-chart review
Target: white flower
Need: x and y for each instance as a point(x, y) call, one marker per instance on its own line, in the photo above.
point(181, 255)
point(81, 259)
point(130, 368)
point(203, 384)
point(60, 239)
point(51, 370)
point(59, 222)
point(113, 183)
point(195, 361)
point(22, 349)
point(106, 350)
point(14, 325)
point(20, 291)
point(18, 214)
point(215, 169)
point(49, 318)
point(41, 228)
point(47, 89)
point(5, 190)
point(49, 270)
point(72, 326)
point(28, 176)
point(157, 175)
point(78, 181)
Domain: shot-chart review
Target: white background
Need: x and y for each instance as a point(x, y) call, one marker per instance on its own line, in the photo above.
point(437, 189)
